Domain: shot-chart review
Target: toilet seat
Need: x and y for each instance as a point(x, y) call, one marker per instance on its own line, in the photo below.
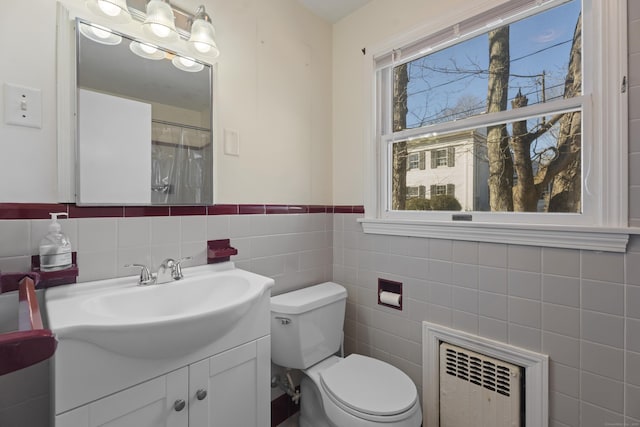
point(369, 389)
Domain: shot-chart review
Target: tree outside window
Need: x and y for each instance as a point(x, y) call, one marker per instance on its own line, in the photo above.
point(534, 164)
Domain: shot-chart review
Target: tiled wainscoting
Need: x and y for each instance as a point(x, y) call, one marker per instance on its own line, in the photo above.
point(294, 249)
point(582, 308)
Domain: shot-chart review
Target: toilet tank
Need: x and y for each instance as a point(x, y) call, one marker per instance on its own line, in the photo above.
point(306, 325)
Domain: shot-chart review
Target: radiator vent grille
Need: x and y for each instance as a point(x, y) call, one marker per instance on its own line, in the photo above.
point(479, 390)
point(479, 371)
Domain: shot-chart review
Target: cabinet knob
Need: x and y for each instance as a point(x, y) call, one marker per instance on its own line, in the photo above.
point(179, 405)
point(201, 394)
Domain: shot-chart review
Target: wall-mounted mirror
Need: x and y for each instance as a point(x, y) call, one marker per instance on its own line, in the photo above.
point(143, 124)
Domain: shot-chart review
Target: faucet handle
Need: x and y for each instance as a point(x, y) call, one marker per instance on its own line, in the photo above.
point(146, 278)
point(177, 268)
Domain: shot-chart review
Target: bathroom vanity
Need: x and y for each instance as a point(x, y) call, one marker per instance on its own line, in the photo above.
point(194, 352)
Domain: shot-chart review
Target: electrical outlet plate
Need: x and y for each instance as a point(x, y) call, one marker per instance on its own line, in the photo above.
point(22, 106)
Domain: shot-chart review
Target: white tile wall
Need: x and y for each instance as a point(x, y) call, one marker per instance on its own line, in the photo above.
point(24, 396)
point(295, 250)
point(579, 307)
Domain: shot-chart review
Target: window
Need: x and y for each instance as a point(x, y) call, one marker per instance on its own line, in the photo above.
point(418, 191)
point(439, 190)
point(513, 108)
point(439, 158)
point(414, 161)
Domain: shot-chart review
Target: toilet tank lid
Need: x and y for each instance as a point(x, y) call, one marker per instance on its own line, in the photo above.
point(307, 299)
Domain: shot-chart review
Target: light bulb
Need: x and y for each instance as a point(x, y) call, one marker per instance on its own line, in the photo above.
point(100, 32)
point(147, 48)
point(201, 47)
point(160, 30)
point(109, 8)
point(187, 62)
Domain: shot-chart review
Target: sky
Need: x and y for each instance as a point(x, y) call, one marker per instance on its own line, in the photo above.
point(538, 43)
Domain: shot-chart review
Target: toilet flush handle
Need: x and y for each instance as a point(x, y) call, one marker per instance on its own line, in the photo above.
point(283, 320)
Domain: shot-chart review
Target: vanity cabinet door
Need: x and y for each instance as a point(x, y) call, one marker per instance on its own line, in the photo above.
point(154, 403)
point(237, 385)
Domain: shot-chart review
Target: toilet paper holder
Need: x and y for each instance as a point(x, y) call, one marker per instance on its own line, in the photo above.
point(390, 293)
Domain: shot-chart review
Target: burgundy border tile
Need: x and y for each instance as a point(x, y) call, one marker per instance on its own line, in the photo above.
point(298, 209)
point(135, 211)
point(222, 210)
point(282, 407)
point(41, 210)
point(317, 209)
point(29, 210)
point(251, 209)
point(96, 211)
point(188, 210)
point(276, 209)
point(343, 209)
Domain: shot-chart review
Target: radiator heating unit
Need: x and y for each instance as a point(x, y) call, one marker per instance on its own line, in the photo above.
point(477, 390)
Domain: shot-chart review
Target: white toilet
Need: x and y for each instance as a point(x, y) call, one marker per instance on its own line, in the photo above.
point(357, 391)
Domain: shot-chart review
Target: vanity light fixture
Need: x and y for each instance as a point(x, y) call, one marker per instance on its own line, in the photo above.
point(115, 10)
point(203, 35)
point(187, 64)
point(160, 21)
point(146, 50)
point(100, 34)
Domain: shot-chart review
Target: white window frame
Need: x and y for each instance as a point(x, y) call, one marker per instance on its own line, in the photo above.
point(603, 225)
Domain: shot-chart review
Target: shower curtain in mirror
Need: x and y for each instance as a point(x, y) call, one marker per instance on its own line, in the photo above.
point(180, 159)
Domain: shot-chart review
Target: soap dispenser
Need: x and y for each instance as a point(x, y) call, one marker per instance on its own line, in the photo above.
point(55, 248)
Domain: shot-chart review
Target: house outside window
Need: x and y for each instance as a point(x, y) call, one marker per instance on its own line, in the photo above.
point(528, 79)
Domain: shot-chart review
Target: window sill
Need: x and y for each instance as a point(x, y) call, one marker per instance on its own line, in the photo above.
point(571, 237)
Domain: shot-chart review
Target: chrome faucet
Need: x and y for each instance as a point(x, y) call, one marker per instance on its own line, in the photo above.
point(165, 271)
point(177, 268)
point(168, 271)
point(146, 278)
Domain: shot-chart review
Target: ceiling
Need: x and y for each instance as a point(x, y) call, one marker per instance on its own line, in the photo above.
point(333, 10)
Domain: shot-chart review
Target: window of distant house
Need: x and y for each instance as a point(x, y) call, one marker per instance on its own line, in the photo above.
point(438, 190)
point(414, 161)
point(503, 106)
point(445, 157)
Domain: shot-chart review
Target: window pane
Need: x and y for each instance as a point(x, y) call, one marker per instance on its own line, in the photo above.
point(531, 165)
point(531, 61)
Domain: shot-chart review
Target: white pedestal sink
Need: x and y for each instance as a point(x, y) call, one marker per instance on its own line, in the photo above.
point(118, 340)
point(155, 321)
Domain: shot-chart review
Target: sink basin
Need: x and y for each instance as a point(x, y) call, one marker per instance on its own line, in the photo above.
point(156, 321)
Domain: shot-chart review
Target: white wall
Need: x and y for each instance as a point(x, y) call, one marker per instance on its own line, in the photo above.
point(274, 89)
point(28, 168)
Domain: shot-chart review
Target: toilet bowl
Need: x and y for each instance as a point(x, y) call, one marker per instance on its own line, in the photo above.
point(355, 391)
point(358, 391)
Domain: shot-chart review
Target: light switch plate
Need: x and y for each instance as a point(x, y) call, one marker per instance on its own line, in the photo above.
point(231, 142)
point(22, 106)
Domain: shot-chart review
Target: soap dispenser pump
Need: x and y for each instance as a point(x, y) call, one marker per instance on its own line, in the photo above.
point(55, 247)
